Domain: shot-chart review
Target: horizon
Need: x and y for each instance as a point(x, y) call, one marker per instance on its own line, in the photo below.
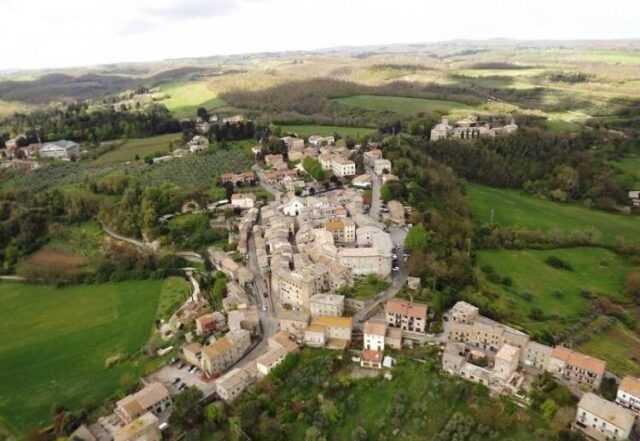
point(164, 30)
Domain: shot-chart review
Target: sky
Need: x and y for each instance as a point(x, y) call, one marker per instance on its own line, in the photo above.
point(65, 33)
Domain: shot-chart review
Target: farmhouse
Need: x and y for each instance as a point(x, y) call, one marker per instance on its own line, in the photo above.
point(470, 128)
point(603, 420)
point(152, 398)
point(63, 149)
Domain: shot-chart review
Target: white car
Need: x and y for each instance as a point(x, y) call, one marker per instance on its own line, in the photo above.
point(395, 268)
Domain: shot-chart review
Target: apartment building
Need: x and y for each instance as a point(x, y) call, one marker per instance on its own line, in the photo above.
point(144, 428)
point(629, 393)
point(233, 383)
point(603, 420)
point(343, 167)
point(224, 352)
point(331, 305)
point(577, 368)
point(374, 335)
point(406, 315)
point(342, 229)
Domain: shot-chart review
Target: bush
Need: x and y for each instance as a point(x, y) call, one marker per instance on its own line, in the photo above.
point(558, 263)
point(507, 281)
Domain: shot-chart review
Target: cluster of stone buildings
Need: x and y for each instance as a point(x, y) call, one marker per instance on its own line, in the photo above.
point(317, 245)
point(470, 128)
point(498, 356)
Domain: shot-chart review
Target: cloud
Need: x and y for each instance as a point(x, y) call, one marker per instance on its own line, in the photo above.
point(153, 17)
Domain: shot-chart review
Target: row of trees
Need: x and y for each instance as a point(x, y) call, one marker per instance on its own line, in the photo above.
point(78, 122)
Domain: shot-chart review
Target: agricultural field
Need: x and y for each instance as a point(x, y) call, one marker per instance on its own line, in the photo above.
point(512, 208)
point(308, 130)
point(402, 105)
point(197, 171)
point(630, 167)
point(140, 147)
point(55, 344)
point(184, 98)
point(523, 280)
point(72, 249)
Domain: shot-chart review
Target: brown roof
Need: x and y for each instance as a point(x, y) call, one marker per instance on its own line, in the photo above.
point(194, 347)
point(630, 385)
point(333, 322)
point(334, 225)
point(395, 333)
point(217, 348)
point(402, 307)
point(579, 360)
point(206, 319)
point(144, 398)
point(285, 340)
point(375, 327)
point(372, 356)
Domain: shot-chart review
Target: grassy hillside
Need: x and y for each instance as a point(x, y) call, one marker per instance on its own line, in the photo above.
point(185, 98)
point(140, 147)
point(401, 105)
point(54, 343)
point(556, 292)
point(515, 209)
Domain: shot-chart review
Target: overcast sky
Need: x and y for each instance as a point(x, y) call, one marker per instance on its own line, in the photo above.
point(60, 33)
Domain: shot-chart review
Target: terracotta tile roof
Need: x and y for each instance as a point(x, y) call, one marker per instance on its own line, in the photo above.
point(285, 340)
point(333, 322)
point(217, 348)
point(630, 385)
point(579, 360)
point(402, 307)
point(374, 327)
point(371, 356)
point(334, 225)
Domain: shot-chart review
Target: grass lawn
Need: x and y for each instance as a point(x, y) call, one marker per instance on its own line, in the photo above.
point(174, 293)
point(555, 291)
point(141, 147)
point(185, 98)
point(515, 209)
point(401, 105)
point(365, 288)
point(619, 347)
point(308, 130)
point(54, 343)
point(630, 166)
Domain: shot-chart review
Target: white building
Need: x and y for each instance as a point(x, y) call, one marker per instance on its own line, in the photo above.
point(243, 201)
point(507, 361)
point(294, 207)
point(603, 420)
point(233, 383)
point(374, 334)
point(266, 362)
point(63, 149)
point(342, 167)
point(629, 393)
point(380, 165)
point(326, 304)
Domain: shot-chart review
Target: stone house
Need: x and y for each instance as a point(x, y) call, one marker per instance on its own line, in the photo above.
point(629, 393)
point(374, 335)
point(406, 315)
point(603, 420)
point(327, 305)
point(144, 428)
point(152, 398)
point(576, 368)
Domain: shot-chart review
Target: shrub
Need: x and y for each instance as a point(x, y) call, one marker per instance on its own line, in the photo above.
point(526, 296)
point(507, 281)
point(558, 263)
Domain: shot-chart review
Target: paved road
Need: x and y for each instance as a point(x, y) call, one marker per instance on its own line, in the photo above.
point(277, 194)
point(399, 279)
point(261, 295)
point(376, 183)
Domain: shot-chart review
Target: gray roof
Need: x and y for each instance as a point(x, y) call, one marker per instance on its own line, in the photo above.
point(607, 410)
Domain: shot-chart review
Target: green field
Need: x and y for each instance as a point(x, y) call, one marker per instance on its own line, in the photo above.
point(630, 167)
point(185, 98)
point(515, 209)
point(174, 293)
point(140, 147)
point(308, 130)
point(619, 347)
point(401, 105)
point(54, 343)
point(557, 292)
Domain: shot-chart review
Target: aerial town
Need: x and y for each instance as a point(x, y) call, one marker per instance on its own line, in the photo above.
point(421, 240)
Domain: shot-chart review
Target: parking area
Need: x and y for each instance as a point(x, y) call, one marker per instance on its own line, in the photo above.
point(177, 379)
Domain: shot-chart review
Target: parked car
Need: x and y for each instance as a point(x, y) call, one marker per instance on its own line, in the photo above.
point(395, 268)
point(181, 365)
point(176, 380)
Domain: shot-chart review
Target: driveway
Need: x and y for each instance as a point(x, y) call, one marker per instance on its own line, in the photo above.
point(169, 373)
